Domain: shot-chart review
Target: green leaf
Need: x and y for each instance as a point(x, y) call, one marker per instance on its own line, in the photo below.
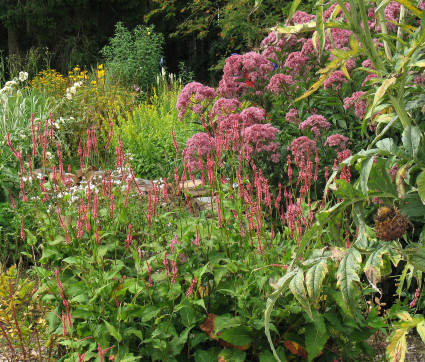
point(223, 322)
point(420, 327)
point(380, 92)
point(314, 341)
point(297, 287)
point(416, 256)
point(178, 342)
point(237, 336)
point(232, 355)
point(364, 174)
point(113, 331)
point(411, 138)
point(266, 356)
point(373, 266)
point(314, 279)
point(202, 356)
point(296, 29)
point(420, 181)
point(320, 26)
point(294, 6)
point(348, 277)
point(133, 331)
point(388, 146)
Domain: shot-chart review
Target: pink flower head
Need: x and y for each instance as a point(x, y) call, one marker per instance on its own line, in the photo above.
point(301, 17)
point(302, 147)
point(259, 138)
point(335, 80)
point(253, 115)
point(192, 96)
point(200, 145)
point(338, 141)
point(367, 64)
point(357, 102)
point(315, 124)
point(392, 12)
point(370, 76)
point(296, 62)
point(279, 82)
point(292, 116)
point(223, 107)
point(243, 71)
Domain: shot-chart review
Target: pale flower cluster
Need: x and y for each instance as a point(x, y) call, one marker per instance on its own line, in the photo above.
point(72, 91)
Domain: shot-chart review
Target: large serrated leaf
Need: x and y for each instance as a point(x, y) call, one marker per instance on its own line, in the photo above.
point(348, 276)
point(411, 138)
point(297, 287)
point(314, 341)
point(314, 279)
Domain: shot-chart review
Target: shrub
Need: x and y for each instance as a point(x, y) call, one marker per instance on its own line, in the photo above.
point(133, 57)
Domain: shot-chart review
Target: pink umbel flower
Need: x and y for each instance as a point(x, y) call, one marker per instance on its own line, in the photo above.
point(359, 104)
point(279, 82)
point(338, 141)
point(335, 80)
point(315, 123)
point(296, 62)
point(260, 138)
point(191, 97)
point(392, 12)
point(199, 146)
point(301, 17)
point(292, 116)
point(223, 107)
point(301, 148)
point(242, 72)
point(252, 115)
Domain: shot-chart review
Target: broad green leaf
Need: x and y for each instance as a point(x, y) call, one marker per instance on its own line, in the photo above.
point(314, 341)
point(411, 5)
point(237, 336)
point(314, 279)
point(364, 174)
point(178, 342)
point(411, 138)
point(396, 350)
point(133, 331)
point(320, 29)
point(416, 257)
point(232, 355)
point(282, 284)
point(113, 331)
point(222, 322)
point(388, 146)
point(420, 181)
point(348, 276)
point(297, 287)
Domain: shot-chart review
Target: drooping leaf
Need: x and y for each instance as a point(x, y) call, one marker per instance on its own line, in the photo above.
point(416, 256)
point(294, 6)
point(314, 279)
point(297, 287)
point(348, 276)
point(178, 342)
point(282, 285)
point(297, 28)
point(380, 92)
point(373, 266)
point(238, 337)
point(296, 349)
point(113, 331)
point(364, 174)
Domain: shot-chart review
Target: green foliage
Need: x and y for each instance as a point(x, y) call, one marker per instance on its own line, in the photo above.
point(133, 56)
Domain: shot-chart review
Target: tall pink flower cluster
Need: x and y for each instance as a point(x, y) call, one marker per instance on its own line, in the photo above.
point(191, 97)
point(355, 101)
point(301, 148)
point(279, 82)
point(200, 145)
point(392, 12)
point(260, 138)
point(335, 80)
point(253, 115)
point(242, 71)
point(338, 141)
point(292, 116)
point(296, 62)
point(301, 17)
point(223, 107)
point(315, 123)
point(275, 43)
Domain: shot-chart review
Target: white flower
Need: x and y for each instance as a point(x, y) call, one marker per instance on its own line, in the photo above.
point(69, 95)
point(73, 90)
point(23, 76)
point(48, 155)
point(10, 83)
